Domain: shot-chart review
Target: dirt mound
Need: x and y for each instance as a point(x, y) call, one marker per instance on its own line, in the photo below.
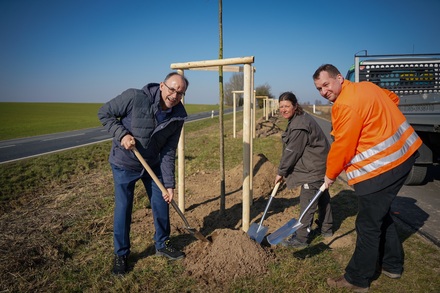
point(265, 128)
point(264, 175)
point(231, 254)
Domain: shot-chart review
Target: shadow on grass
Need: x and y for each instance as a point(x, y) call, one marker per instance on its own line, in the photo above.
point(233, 215)
point(408, 212)
point(316, 249)
point(344, 205)
point(179, 242)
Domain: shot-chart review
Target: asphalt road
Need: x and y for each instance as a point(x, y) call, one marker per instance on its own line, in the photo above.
point(416, 206)
point(23, 148)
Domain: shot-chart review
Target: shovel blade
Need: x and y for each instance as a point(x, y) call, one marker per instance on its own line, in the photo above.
point(257, 232)
point(197, 234)
point(285, 231)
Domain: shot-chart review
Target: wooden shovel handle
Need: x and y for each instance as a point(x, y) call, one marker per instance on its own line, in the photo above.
point(275, 189)
point(150, 171)
point(159, 183)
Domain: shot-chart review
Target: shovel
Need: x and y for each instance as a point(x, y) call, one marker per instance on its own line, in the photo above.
point(150, 171)
point(258, 231)
point(293, 225)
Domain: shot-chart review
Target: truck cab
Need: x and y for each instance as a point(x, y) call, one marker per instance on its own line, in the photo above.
point(415, 78)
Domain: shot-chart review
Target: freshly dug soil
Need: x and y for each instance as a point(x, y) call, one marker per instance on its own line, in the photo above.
point(231, 254)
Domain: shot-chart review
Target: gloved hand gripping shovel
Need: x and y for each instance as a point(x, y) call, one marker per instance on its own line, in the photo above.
point(290, 227)
point(150, 171)
point(258, 231)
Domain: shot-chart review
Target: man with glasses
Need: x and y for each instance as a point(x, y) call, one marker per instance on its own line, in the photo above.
point(151, 119)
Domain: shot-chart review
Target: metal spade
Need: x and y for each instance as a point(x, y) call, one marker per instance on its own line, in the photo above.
point(258, 231)
point(290, 227)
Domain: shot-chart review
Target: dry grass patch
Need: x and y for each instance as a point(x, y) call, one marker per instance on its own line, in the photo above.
point(56, 232)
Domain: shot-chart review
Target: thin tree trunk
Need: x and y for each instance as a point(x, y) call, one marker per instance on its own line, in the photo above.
point(221, 94)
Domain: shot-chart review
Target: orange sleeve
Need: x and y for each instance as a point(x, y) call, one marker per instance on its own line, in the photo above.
point(347, 127)
point(392, 96)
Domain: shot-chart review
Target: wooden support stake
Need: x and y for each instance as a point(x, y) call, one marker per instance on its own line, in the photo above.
point(246, 146)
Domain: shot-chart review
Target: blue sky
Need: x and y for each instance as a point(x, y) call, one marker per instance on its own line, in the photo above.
point(92, 50)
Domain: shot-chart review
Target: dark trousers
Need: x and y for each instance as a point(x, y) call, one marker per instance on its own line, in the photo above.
point(322, 205)
point(377, 239)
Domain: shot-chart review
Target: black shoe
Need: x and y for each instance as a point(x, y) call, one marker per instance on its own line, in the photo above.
point(120, 265)
point(318, 230)
point(170, 252)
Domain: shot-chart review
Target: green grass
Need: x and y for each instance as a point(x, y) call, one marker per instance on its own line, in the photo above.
point(197, 108)
point(29, 119)
point(65, 248)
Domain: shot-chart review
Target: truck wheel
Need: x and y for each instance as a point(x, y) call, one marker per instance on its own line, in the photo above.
point(416, 175)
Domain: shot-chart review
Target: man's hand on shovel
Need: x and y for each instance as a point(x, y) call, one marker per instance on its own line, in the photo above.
point(328, 182)
point(168, 197)
point(278, 178)
point(129, 143)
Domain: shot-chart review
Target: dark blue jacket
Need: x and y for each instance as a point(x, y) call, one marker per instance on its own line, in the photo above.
point(134, 111)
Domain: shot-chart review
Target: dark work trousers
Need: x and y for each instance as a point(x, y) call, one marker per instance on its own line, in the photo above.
point(322, 205)
point(377, 239)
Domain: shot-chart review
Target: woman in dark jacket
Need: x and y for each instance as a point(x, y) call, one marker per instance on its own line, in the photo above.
point(305, 149)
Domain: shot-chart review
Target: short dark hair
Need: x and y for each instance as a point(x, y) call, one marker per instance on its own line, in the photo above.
point(289, 96)
point(331, 69)
point(175, 73)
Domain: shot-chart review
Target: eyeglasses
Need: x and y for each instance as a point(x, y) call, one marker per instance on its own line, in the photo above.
point(173, 90)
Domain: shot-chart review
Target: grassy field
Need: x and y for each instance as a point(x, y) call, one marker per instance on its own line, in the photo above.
point(29, 119)
point(63, 243)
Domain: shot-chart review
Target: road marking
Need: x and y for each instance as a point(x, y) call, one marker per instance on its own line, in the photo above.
point(102, 137)
point(61, 137)
point(51, 152)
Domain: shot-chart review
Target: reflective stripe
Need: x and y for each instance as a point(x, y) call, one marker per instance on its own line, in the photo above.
point(381, 146)
point(385, 160)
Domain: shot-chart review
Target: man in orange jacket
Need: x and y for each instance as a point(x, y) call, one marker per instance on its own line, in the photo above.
point(376, 147)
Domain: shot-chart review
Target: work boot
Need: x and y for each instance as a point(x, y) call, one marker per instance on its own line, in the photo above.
point(318, 230)
point(327, 234)
point(391, 275)
point(341, 282)
point(170, 252)
point(119, 265)
point(294, 242)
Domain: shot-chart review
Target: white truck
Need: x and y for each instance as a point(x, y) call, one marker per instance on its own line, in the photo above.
point(415, 78)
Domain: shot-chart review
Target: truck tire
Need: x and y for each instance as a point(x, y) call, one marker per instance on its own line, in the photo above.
point(417, 175)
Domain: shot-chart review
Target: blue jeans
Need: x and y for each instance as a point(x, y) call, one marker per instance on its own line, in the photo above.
point(124, 184)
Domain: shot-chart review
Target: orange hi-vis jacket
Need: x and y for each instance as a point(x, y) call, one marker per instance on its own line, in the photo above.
point(371, 135)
